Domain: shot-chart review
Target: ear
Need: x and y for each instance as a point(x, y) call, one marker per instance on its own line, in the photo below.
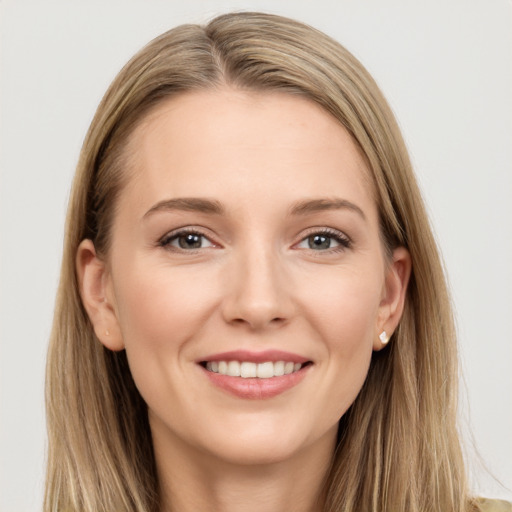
point(97, 295)
point(393, 297)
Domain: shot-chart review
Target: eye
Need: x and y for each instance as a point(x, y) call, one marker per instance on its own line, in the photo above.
point(185, 240)
point(324, 240)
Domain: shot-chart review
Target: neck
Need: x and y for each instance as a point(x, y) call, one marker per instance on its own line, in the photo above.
point(191, 480)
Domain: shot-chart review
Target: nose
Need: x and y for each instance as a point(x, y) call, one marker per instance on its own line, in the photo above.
point(258, 294)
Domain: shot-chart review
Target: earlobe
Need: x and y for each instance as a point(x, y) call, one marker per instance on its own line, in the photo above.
point(97, 297)
point(394, 294)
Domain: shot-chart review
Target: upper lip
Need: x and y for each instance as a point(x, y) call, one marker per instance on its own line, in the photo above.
point(256, 356)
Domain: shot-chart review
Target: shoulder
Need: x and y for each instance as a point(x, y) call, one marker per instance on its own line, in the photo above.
point(487, 505)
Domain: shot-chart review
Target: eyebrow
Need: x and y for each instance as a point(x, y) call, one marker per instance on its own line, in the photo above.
point(214, 207)
point(309, 206)
point(188, 204)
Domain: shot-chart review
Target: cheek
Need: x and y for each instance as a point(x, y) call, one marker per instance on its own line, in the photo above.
point(345, 308)
point(345, 321)
point(159, 311)
point(159, 306)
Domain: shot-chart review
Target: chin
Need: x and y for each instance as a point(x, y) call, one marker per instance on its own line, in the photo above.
point(258, 452)
point(260, 444)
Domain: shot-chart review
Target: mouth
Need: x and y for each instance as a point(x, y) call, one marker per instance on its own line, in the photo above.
point(251, 370)
point(255, 375)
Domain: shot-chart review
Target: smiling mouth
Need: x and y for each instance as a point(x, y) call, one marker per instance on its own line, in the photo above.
point(248, 369)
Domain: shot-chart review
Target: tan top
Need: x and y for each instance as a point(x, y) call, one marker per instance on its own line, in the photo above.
point(494, 505)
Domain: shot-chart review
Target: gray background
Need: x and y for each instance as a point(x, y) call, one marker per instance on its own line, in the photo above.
point(446, 68)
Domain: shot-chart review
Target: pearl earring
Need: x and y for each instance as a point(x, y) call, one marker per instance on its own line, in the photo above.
point(383, 337)
point(107, 333)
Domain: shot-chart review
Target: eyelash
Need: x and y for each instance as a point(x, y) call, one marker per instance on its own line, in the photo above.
point(343, 240)
point(166, 240)
point(339, 237)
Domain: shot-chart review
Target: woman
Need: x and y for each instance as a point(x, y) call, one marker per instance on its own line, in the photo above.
point(252, 313)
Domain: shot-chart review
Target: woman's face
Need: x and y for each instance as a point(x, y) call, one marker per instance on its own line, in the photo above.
point(247, 240)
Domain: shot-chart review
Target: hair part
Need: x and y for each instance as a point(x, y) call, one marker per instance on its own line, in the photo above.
point(398, 445)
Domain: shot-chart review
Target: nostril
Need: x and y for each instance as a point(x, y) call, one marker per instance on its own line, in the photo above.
point(278, 321)
point(255, 322)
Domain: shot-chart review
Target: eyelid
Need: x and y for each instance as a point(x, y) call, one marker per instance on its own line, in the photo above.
point(165, 240)
point(345, 242)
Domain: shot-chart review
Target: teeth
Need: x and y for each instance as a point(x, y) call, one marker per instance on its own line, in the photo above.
point(246, 369)
point(279, 368)
point(265, 370)
point(234, 369)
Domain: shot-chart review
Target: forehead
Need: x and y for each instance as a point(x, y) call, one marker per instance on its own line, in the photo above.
point(247, 142)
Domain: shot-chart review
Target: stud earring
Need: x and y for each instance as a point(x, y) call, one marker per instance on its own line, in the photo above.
point(107, 333)
point(383, 337)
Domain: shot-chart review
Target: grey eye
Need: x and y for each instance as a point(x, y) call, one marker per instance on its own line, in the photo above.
point(186, 240)
point(321, 242)
point(318, 242)
point(325, 240)
point(190, 241)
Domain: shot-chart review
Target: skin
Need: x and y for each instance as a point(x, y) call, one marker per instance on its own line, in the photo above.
point(256, 283)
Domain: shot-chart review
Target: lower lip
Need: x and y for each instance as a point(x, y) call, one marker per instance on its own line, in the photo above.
point(254, 388)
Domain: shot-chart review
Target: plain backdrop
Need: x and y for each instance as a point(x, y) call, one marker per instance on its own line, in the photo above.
point(445, 67)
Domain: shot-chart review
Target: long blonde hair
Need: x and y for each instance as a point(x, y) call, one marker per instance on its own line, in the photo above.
point(398, 446)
